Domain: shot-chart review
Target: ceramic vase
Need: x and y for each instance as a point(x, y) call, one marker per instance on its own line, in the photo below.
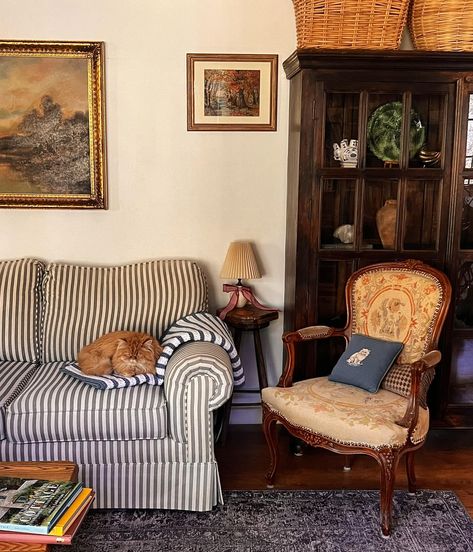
point(386, 223)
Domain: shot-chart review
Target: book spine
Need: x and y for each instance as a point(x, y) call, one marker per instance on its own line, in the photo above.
point(38, 530)
point(10, 536)
point(64, 506)
point(72, 512)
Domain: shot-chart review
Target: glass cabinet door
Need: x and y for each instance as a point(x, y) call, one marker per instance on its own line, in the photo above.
point(461, 368)
point(401, 132)
point(469, 136)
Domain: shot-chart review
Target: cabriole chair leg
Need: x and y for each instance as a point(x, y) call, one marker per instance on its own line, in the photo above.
point(269, 429)
point(410, 469)
point(388, 462)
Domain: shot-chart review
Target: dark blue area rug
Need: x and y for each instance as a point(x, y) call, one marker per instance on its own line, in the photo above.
point(285, 521)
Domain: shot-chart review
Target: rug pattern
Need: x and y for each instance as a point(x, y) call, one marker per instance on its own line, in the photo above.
point(285, 521)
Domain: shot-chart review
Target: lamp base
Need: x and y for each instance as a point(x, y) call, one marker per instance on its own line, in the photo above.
point(242, 300)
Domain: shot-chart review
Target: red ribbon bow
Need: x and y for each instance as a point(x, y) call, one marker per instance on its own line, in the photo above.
point(235, 290)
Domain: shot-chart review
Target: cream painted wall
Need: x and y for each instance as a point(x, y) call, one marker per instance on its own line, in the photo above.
point(172, 193)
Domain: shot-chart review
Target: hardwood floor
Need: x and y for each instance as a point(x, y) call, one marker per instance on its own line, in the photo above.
point(444, 462)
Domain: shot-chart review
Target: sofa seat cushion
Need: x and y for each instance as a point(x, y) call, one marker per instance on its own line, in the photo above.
point(14, 377)
point(55, 407)
point(344, 413)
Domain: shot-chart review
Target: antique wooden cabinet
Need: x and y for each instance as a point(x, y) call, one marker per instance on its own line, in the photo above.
point(398, 184)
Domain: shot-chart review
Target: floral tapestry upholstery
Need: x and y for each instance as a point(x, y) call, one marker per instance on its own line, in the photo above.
point(397, 305)
point(345, 413)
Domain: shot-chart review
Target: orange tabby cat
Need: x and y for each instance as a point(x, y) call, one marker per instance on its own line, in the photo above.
point(124, 353)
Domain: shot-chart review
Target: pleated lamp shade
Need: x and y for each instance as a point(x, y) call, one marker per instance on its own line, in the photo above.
point(240, 262)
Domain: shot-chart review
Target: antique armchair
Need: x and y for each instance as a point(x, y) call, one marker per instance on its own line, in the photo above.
point(405, 302)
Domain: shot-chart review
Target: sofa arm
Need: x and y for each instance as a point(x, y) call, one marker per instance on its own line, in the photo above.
point(198, 379)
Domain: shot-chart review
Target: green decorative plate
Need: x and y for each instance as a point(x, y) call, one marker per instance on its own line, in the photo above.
point(384, 132)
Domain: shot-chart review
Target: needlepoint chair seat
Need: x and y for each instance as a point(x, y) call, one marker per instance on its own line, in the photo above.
point(346, 414)
point(404, 302)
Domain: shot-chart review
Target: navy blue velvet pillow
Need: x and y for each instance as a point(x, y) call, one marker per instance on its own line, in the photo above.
point(365, 362)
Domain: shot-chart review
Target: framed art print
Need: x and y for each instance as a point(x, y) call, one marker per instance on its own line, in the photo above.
point(52, 142)
point(231, 91)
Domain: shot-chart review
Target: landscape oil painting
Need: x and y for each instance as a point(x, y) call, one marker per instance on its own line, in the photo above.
point(51, 125)
point(231, 91)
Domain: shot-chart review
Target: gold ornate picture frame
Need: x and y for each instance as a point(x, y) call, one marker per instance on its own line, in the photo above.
point(232, 91)
point(52, 125)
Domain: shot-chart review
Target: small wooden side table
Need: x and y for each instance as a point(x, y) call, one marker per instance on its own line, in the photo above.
point(248, 319)
point(56, 471)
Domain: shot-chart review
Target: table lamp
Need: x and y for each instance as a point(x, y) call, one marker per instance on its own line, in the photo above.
point(240, 263)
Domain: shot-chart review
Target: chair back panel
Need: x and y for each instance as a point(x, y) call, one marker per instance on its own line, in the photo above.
point(404, 302)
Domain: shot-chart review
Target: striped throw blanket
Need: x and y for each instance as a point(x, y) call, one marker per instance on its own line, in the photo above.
point(200, 326)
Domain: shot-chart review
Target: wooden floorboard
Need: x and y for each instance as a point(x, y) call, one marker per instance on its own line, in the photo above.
point(445, 462)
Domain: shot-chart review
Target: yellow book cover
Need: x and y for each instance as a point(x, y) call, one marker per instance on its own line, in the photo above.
point(84, 497)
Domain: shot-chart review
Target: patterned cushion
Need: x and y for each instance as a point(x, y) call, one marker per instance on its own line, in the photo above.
point(346, 414)
point(56, 407)
point(398, 306)
point(13, 378)
point(83, 302)
point(398, 380)
point(20, 296)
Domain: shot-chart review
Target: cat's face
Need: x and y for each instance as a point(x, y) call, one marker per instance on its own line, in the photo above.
point(135, 355)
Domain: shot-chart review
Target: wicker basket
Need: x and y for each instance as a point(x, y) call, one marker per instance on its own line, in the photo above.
point(370, 24)
point(442, 24)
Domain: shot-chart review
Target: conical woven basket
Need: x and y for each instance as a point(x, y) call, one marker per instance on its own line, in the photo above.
point(363, 24)
point(442, 24)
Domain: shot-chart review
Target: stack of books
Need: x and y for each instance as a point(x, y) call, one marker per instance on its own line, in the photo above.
point(39, 511)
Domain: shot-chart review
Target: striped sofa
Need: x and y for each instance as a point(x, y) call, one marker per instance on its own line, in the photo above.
point(139, 447)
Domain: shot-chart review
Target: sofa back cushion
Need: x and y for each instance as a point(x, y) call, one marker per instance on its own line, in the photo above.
point(20, 309)
point(81, 303)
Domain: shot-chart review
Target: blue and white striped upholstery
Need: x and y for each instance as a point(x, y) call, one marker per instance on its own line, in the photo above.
point(132, 474)
point(112, 381)
point(20, 301)
point(194, 361)
point(155, 473)
point(82, 303)
point(139, 447)
point(14, 376)
point(125, 451)
point(55, 407)
point(200, 326)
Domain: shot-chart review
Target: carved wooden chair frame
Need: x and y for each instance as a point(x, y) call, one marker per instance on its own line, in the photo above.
point(387, 457)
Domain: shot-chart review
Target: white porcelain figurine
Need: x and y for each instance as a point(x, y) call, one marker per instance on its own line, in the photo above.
point(346, 152)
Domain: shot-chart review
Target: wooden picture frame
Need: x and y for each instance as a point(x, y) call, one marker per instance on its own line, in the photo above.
point(52, 125)
point(232, 91)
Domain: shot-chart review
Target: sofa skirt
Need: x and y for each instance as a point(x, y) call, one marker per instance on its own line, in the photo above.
point(132, 474)
point(173, 486)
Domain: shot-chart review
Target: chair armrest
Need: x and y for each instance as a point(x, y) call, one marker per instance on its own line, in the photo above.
point(198, 379)
point(417, 393)
point(309, 333)
point(290, 339)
